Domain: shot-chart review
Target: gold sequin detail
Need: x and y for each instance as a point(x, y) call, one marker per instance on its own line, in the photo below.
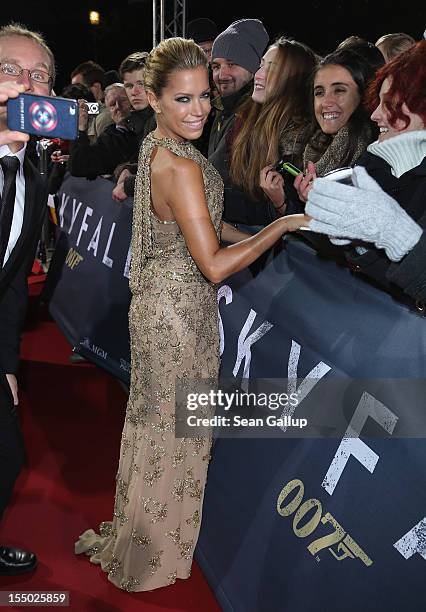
point(122, 488)
point(105, 529)
point(151, 477)
point(113, 566)
point(158, 451)
point(156, 508)
point(125, 445)
point(186, 549)
point(178, 457)
point(140, 540)
point(137, 417)
point(198, 444)
point(121, 517)
point(174, 535)
point(129, 584)
point(194, 519)
point(172, 577)
point(162, 427)
point(189, 485)
point(155, 562)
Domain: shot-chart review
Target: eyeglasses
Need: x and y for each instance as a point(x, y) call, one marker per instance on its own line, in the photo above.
point(14, 70)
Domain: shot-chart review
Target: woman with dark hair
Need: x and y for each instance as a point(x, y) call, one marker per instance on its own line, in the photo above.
point(388, 202)
point(268, 127)
point(342, 129)
point(364, 48)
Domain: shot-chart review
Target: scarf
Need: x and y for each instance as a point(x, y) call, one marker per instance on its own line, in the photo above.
point(335, 155)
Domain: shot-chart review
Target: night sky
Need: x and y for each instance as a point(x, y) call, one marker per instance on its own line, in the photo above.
point(127, 26)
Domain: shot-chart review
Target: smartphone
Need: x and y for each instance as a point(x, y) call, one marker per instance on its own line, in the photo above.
point(282, 166)
point(340, 175)
point(49, 116)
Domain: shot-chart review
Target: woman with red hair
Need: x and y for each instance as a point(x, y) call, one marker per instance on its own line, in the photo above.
point(386, 205)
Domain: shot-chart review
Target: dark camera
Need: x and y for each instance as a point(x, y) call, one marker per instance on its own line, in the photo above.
point(92, 108)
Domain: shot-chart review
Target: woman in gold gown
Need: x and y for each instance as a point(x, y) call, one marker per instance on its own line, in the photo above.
point(176, 262)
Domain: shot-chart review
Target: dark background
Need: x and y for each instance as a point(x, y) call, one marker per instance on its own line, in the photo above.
point(127, 26)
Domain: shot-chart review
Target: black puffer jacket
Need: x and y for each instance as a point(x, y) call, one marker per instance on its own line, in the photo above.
point(225, 118)
point(410, 192)
point(410, 273)
point(113, 147)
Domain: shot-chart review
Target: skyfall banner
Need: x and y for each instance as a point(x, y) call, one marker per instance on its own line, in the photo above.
point(91, 298)
point(320, 524)
point(297, 524)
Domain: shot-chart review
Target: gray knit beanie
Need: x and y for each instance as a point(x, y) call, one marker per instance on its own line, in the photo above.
point(243, 42)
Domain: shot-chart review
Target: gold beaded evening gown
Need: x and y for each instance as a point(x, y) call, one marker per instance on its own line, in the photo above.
point(174, 334)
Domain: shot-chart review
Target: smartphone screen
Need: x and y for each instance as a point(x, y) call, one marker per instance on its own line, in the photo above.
point(50, 117)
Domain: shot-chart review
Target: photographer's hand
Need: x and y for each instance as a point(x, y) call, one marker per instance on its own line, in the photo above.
point(58, 157)
point(83, 115)
point(118, 193)
point(9, 90)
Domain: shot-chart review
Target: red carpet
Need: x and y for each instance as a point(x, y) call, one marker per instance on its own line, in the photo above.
point(72, 418)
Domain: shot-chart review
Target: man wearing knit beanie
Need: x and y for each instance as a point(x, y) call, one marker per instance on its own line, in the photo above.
point(241, 44)
point(236, 56)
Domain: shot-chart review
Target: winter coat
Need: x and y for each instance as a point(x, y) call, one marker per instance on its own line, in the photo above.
point(410, 192)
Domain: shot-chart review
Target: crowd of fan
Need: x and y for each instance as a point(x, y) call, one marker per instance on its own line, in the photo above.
point(285, 104)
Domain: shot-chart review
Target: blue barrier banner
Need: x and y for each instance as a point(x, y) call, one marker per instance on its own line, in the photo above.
point(310, 524)
point(91, 298)
point(325, 525)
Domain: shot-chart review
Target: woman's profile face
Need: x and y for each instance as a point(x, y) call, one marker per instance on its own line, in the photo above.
point(184, 105)
point(264, 78)
point(336, 97)
point(382, 118)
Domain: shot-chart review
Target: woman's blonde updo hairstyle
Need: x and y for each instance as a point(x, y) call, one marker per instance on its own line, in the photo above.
point(171, 55)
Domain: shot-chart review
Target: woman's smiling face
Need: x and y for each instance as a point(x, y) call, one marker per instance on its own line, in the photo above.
point(336, 97)
point(184, 104)
point(381, 117)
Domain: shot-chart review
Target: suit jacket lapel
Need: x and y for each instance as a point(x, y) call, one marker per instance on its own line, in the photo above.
point(33, 209)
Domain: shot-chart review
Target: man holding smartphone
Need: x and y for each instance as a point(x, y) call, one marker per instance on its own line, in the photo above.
point(26, 65)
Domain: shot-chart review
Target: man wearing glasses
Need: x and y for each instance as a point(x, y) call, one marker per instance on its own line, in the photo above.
point(26, 65)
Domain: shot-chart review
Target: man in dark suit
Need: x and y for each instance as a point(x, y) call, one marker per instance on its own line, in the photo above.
point(26, 65)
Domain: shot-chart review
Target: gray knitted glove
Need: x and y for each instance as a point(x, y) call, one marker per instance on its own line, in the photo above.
point(363, 212)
